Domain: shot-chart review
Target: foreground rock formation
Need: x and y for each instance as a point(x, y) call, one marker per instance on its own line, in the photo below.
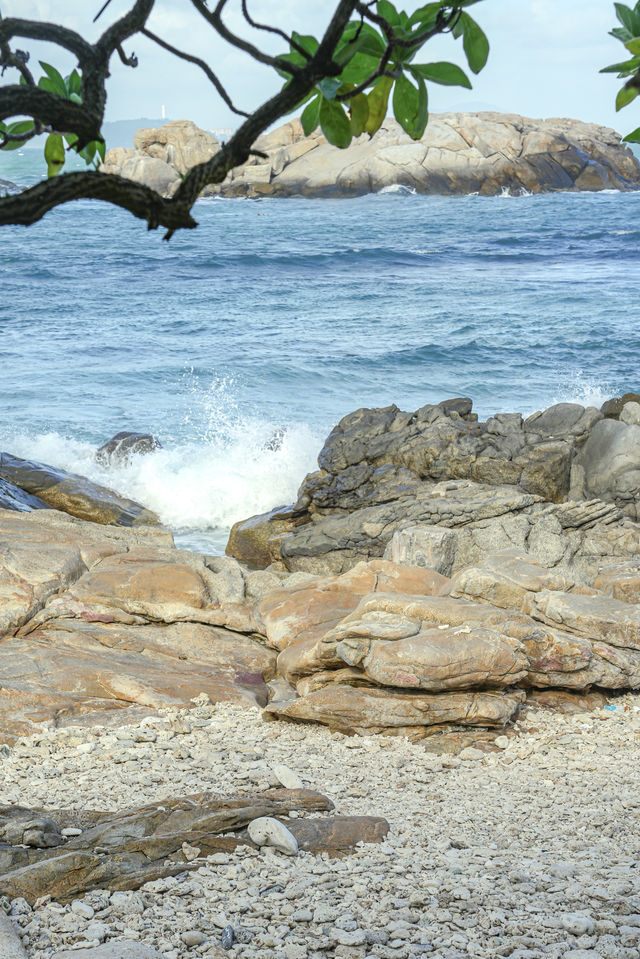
point(460, 153)
point(563, 484)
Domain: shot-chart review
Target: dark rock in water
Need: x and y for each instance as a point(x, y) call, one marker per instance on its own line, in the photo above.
point(612, 408)
point(12, 497)
point(73, 494)
point(124, 445)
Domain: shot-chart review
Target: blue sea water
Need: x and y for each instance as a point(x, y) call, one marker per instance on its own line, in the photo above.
point(283, 315)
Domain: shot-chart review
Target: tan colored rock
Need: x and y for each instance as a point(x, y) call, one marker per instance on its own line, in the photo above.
point(622, 581)
point(599, 618)
point(45, 551)
point(563, 701)
point(73, 668)
point(458, 153)
point(307, 611)
point(180, 144)
point(164, 586)
point(359, 710)
point(441, 659)
point(507, 578)
point(254, 541)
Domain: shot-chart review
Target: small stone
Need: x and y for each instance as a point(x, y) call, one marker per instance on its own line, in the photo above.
point(471, 754)
point(70, 831)
point(193, 937)
point(82, 909)
point(577, 924)
point(228, 937)
point(266, 831)
point(190, 852)
point(96, 932)
point(501, 742)
point(286, 777)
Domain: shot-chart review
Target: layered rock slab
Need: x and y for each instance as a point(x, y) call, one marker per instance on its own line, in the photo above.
point(71, 493)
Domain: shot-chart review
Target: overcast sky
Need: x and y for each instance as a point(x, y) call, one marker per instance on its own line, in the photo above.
point(544, 60)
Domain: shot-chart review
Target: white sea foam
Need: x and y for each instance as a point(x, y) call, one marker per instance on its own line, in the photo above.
point(584, 389)
point(225, 467)
point(398, 188)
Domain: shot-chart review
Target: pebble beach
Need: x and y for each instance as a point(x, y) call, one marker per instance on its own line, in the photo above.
point(529, 850)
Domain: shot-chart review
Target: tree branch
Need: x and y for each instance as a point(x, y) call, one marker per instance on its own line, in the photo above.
point(31, 205)
point(214, 18)
point(199, 63)
point(265, 26)
point(50, 110)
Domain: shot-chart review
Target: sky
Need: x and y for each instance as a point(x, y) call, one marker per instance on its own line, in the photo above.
point(544, 60)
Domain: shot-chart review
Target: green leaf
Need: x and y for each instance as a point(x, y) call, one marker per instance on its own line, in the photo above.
point(410, 106)
point(306, 41)
point(442, 72)
point(426, 14)
point(633, 46)
point(359, 68)
point(21, 126)
point(378, 100)
point(625, 96)
point(475, 43)
point(359, 110)
point(335, 124)
point(54, 154)
point(633, 137)
point(74, 82)
point(623, 69)
point(329, 87)
point(311, 116)
point(389, 12)
point(628, 18)
point(55, 82)
point(101, 148)
point(359, 38)
point(620, 33)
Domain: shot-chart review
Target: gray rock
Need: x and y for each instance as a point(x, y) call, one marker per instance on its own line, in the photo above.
point(611, 463)
point(266, 831)
point(630, 413)
point(121, 447)
point(13, 497)
point(433, 547)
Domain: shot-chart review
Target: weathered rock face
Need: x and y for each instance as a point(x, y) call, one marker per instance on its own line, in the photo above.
point(48, 486)
point(460, 153)
point(109, 618)
point(163, 155)
point(438, 488)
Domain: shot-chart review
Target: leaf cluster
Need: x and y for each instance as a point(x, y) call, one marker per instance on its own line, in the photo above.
point(375, 64)
point(70, 88)
point(628, 33)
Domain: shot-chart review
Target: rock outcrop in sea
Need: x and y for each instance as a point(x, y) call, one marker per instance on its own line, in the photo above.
point(435, 573)
point(460, 153)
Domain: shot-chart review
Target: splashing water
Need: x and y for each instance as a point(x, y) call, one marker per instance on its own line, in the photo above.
point(225, 466)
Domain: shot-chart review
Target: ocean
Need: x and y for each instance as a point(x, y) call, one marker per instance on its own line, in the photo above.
point(242, 343)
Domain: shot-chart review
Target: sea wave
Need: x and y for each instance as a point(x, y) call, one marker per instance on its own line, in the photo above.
point(224, 467)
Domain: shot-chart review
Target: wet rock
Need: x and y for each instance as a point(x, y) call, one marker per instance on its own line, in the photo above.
point(123, 446)
point(73, 494)
point(14, 498)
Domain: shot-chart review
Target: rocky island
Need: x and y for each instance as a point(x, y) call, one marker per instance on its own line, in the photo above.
point(460, 153)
